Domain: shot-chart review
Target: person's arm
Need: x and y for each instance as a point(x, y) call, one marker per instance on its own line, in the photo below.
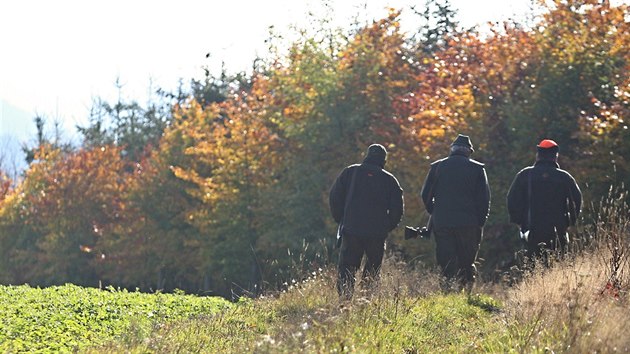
point(483, 198)
point(337, 197)
point(517, 199)
point(575, 200)
point(427, 189)
point(396, 205)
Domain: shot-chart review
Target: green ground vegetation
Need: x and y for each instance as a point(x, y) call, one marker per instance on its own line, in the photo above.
point(72, 318)
point(567, 308)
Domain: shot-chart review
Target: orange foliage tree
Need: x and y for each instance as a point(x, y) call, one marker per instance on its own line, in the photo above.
point(53, 222)
point(585, 78)
point(231, 161)
point(157, 241)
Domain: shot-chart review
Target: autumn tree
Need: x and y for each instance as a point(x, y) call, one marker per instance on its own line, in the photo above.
point(53, 221)
point(230, 162)
point(583, 88)
point(156, 246)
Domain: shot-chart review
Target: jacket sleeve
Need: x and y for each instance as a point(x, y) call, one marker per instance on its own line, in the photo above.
point(483, 198)
point(337, 197)
point(427, 189)
point(517, 200)
point(396, 205)
point(575, 201)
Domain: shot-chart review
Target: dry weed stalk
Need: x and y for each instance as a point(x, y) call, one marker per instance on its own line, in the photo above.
point(610, 231)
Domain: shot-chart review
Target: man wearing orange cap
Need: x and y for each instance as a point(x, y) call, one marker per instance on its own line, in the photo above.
point(544, 201)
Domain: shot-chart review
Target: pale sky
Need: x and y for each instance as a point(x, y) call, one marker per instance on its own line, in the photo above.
point(55, 56)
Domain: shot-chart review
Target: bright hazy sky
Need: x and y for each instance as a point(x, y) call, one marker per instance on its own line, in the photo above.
point(55, 56)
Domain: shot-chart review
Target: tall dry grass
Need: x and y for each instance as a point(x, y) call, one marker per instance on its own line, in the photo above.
point(581, 304)
point(569, 308)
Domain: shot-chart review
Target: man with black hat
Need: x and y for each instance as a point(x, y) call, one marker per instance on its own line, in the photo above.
point(457, 195)
point(544, 201)
point(367, 203)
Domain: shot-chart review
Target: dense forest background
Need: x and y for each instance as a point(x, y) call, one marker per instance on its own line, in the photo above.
point(222, 187)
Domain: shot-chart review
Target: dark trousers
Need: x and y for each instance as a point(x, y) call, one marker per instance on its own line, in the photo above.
point(350, 255)
point(541, 246)
point(456, 250)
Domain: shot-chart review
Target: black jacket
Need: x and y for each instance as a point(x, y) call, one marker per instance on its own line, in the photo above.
point(555, 198)
point(456, 192)
point(376, 205)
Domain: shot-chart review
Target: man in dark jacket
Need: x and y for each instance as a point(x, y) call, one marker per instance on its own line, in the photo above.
point(457, 196)
point(367, 202)
point(544, 201)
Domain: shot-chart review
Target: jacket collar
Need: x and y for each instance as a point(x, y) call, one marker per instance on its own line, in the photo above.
point(459, 153)
point(374, 161)
point(549, 163)
point(372, 166)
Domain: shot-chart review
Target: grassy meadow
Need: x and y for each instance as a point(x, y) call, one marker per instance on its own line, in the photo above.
point(567, 308)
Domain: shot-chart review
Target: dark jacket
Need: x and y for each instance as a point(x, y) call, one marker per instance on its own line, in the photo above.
point(376, 205)
point(555, 199)
point(456, 192)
